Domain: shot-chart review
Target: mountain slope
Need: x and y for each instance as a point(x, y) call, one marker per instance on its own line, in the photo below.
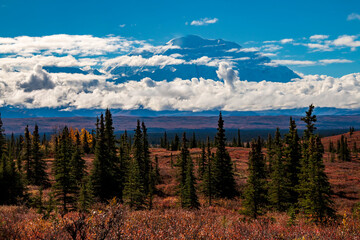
point(193, 57)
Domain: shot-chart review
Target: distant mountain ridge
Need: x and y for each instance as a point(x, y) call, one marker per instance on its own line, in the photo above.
point(191, 57)
point(201, 57)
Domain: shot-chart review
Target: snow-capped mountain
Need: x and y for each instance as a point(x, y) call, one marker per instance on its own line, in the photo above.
point(194, 57)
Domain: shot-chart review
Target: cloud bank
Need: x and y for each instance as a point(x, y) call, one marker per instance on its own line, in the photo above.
point(37, 88)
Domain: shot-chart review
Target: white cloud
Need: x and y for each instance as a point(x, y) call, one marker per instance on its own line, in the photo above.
point(122, 25)
point(38, 80)
point(79, 91)
point(319, 37)
point(286, 40)
point(138, 60)
point(353, 16)
point(306, 62)
point(330, 61)
point(347, 41)
point(291, 62)
point(204, 21)
point(271, 48)
point(83, 45)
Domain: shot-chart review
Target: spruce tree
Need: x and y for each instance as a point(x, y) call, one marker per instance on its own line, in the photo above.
point(224, 182)
point(256, 189)
point(207, 183)
point(202, 162)
point(292, 154)
point(110, 146)
point(85, 144)
point(182, 163)
point(190, 199)
point(65, 185)
point(134, 193)
point(279, 186)
point(124, 163)
point(40, 176)
point(314, 187)
point(239, 143)
point(101, 173)
point(146, 158)
point(78, 167)
point(29, 173)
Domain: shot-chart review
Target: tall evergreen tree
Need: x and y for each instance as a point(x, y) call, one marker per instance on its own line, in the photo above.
point(207, 183)
point(134, 193)
point(124, 163)
point(78, 167)
point(101, 173)
point(224, 183)
point(343, 150)
point(64, 187)
point(292, 154)
point(114, 172)
point(182, 162)
point(279, 186)
point(239, 143)
point(314, 187)
point(40, 176)
point(146, 158)
point(29, 173)
point(202, 162)
point(190, 199)
point(256, 189)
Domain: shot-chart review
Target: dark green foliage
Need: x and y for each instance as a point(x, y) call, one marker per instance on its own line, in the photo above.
point(224, 183)
point(175, 144)
point(102, 174)
point(292, 153)
point(85, 145)
point(134, 193)
point(11, 185)
point(145, 170)
point(164, 143)
point(207, 183)
point(343, 150)
point(202, 162)
point(124, 163)
point(29, 174)
point(65, 185)
point(186, 178)
point(193, 143)
point(155, 171)
point(190, 199)
point(181, 163)
point(256, 192)
point(314, 187)
point(279, 186)
point(239, 143)
point(85, 197)
point(40, 177)
point(78, 170)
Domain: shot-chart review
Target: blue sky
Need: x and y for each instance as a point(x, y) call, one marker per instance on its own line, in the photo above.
point(159, 21)
point(318, 39)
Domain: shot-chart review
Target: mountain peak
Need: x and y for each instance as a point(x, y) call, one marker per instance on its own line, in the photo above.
point(194, 41)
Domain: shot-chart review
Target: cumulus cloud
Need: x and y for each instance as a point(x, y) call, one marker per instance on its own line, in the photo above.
point(319, 37)
point(138, 60)
point(226, 73)
point(204, 21)
point(39, 79)
point(84, 45)
point(347, 41)
point(353, 16)
point(77, 91)
point(286, 40)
